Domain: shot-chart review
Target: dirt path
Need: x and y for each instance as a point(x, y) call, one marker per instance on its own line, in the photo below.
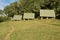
point(10, 32)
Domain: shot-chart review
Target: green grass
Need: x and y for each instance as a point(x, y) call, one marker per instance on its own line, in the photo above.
point(34, 30)
point(4, 29)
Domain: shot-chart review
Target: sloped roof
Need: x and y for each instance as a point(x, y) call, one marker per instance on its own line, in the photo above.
point(17, 17)
point(29, 16)
point(47, 13)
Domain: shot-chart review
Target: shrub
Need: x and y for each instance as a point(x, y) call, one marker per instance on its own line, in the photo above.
point(3, 19)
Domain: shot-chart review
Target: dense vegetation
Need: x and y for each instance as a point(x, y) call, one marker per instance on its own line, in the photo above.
point(1, 11)
point(32, 6)
point(2, 16)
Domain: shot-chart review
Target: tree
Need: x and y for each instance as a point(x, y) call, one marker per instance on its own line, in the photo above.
point(12, 9)
point(0, 11)
point(32, 6)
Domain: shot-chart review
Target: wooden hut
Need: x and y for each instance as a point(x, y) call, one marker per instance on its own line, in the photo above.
point(47, 14)
point(29, 16)
point(17, 17)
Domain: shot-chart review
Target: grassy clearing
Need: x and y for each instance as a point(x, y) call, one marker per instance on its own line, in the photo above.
point(36, 30)
point(4, 29)
point(33, 30)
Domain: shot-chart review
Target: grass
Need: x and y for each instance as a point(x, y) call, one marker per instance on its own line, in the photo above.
point(4, 29)
point(33, 30)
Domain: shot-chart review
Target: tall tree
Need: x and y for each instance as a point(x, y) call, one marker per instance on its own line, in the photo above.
point(1, 11)
point(12, 9)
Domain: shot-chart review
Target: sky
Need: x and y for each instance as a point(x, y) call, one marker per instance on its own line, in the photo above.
point(4, 3)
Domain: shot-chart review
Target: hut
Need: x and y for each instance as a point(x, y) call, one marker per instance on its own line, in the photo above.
point(17, 17)
point(28, 16)
point(47, 14)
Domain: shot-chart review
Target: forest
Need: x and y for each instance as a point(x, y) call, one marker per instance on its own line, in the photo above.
point(34, 6)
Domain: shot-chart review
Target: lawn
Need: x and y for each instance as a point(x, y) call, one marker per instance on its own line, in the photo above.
point(4, 29)
point(32, 30)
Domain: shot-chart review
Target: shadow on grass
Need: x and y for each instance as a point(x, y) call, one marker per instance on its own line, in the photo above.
point(56, 24)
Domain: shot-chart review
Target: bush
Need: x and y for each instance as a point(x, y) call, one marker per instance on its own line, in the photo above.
point(3, 19)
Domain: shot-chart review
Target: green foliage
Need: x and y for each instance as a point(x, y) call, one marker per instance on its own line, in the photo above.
point(10, 14)
point(33, 6)
point(3, 19)
point(1, 11)
point(12, 9)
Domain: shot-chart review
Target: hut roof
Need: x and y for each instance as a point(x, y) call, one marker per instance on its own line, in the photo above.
point(47, 13)
point(29, 15)
point(17, 17)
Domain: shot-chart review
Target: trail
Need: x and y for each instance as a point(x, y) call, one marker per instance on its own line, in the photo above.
point(10, 32)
